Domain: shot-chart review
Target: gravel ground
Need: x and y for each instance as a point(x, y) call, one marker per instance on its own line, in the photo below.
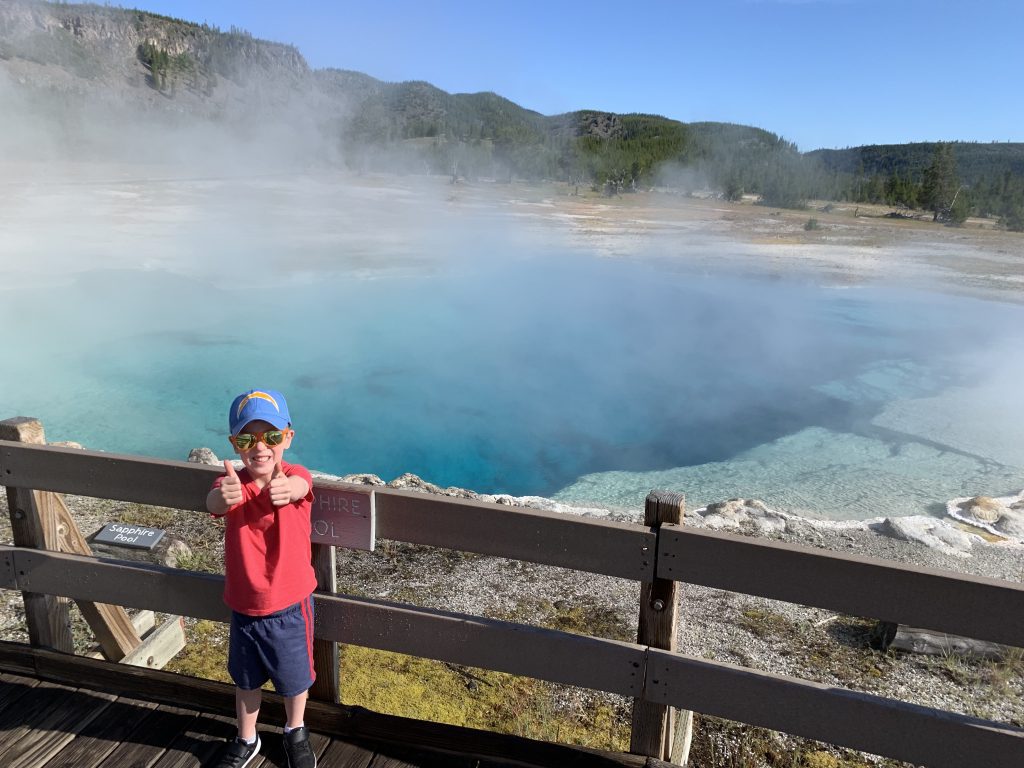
point(767, 635)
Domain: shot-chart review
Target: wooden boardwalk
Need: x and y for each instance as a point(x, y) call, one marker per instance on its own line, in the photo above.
point(91, 714)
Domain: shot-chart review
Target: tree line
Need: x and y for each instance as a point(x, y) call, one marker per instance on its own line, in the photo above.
point(643, 154)
point(486, 136)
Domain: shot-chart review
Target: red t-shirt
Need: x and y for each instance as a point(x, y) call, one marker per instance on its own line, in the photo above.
point(267, 550)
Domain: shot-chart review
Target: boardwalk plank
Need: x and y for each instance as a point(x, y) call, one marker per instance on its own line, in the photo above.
point(103, 735)
point(341, 754)
point(383, 761)
point(13, 687)
point(197, 743)
point(149, 741)
point(30, 698)
point(366, 734)
point(386, 761)
point(29, 711)
point(68, 714)
point(404, 756)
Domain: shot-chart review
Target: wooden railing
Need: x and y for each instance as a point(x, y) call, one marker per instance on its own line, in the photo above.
point(658, 555)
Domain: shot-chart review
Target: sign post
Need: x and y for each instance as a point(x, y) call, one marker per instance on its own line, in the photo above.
point(342, 516)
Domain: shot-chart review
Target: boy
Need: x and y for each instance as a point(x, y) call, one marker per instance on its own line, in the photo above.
point(269, 579)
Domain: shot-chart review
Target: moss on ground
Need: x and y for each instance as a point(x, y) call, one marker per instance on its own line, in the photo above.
point(429, 690)
point(128, 512)
point(762, 623)
point(205, 654)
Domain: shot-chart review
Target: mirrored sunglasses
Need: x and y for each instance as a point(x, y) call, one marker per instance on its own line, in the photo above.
point(270, 438)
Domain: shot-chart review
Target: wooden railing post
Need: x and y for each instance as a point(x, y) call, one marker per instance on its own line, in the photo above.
point(659, 730)
point(111, 624)
point(326, 687)
point(113, 628)
point(34, 522)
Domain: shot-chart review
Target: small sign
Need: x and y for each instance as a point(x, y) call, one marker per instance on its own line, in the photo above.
point(127, 535)
point(343, 518)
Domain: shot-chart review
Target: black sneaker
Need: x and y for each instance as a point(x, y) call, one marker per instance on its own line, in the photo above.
point(237, 754)
point(297, 749)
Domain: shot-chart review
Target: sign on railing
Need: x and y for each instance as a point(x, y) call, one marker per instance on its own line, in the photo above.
point(343, 518)
point(132, 536)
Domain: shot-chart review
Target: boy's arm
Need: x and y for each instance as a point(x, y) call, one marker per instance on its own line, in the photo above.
point(226, 492)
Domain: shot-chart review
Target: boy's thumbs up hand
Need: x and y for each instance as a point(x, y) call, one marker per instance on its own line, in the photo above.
point(280, 486)
point(230, 486)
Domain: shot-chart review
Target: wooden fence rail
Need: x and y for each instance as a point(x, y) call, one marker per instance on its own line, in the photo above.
point(657, 555)
point(582, 544)
point(861, 721)
point(929, 598)
point(956, 603)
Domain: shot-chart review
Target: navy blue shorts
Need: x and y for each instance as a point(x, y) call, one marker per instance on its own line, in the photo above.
point(277, 647)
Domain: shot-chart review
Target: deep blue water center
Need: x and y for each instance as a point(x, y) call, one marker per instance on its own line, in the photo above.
point(516, 375)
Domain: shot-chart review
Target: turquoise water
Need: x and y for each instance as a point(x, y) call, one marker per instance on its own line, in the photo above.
point(547, 372)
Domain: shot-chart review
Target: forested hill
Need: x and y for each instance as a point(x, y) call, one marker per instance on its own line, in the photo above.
point(975, 161)
point(990, 176)
point(71, 62)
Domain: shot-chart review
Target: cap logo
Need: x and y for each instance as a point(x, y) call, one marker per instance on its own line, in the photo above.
point(256, 396)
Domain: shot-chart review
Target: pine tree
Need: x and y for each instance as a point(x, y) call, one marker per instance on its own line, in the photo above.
point(941, 182)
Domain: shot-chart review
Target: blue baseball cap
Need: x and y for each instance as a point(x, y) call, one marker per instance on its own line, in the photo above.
point(259, 405)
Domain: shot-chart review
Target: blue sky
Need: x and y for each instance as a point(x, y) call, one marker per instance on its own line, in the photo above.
point(821, 73)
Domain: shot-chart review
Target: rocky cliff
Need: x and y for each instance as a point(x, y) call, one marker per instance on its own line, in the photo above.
point(137, 58)
point(89, 54)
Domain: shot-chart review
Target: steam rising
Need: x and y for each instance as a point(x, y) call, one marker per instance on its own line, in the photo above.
point(157, 260)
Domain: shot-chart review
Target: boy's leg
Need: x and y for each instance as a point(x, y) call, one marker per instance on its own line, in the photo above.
point(247, 707)
point(297, 749)
point(293, 677)
point(243, 750)
point(245, 665)
point(295, 709)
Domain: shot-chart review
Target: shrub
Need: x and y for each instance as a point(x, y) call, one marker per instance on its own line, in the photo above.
point(733, 191)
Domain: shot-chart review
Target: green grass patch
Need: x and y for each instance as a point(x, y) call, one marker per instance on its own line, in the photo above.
point(1000, 675)
point(143, 514)
point(765, 623)
point(200, 560)
point(418, 688)
point(205, 653)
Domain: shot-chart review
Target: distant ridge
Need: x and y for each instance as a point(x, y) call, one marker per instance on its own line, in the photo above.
point(131, 65)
